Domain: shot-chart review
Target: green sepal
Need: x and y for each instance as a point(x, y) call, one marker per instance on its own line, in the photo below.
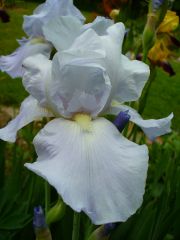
point(56, 212)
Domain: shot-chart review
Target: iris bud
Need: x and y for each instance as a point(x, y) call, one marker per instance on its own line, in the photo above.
point(121, 120)
point(114, 14)
point(149, 34)
point(156, 4)
point(157, 11)
point(41, 229)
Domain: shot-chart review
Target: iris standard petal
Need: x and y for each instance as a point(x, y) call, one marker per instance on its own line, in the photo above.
point(151, 127)
point(88, 46)
point(78, 82)
point(78, 86)
point(51, 8)
point(61, 31)
point(36, 78)
point(132, 77)
point(12, 64)
point(117, 32)
point(99, 25)
point(97, 171)
point(128, 77)
point(29, 111)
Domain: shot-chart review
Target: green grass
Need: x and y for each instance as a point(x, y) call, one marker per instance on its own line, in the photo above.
point(163, 98)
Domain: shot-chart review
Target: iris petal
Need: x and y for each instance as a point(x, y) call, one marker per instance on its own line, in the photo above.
point(97, 171)
point(133, 75)
point(99, 25)
point(61, 31)
point(127, 77)
point(37, 75)
point(78, 86)
point(29, 111)
point(51, 8)
point(151, 127)
point(12, 64)
point(79, 83)
point(117, 32)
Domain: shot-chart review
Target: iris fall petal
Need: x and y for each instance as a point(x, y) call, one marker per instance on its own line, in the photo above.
point(103, 174)
point(12, 64)
point(151, 127)
point(29, 111)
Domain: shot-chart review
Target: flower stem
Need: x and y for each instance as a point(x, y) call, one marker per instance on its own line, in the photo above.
point(47, 197)
point(144, 97)
point(76, 226)
point(144, 58)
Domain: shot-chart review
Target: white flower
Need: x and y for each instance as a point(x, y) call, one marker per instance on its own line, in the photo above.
point(12, 64)
point(90, 164)
point(128, 81)
point(70, 27)
point(43, 13)
point(36, 43)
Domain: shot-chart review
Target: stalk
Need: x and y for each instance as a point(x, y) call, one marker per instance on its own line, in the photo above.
point(76, 226)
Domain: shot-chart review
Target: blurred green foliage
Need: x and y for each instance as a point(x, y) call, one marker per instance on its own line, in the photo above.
point(20, 190)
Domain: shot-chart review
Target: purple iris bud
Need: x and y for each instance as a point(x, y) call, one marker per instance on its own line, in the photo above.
point(139, 56)
point(39, 218)
point(108, 228)
point(121, 120)
point(156, 4)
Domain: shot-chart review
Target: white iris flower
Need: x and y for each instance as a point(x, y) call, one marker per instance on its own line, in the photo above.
point(36, 43)
point(43, 13)
point(91, 165)
point(127, 84)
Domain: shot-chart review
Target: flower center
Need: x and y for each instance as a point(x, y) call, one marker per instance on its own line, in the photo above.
point(84, 120)
point(37, 40)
